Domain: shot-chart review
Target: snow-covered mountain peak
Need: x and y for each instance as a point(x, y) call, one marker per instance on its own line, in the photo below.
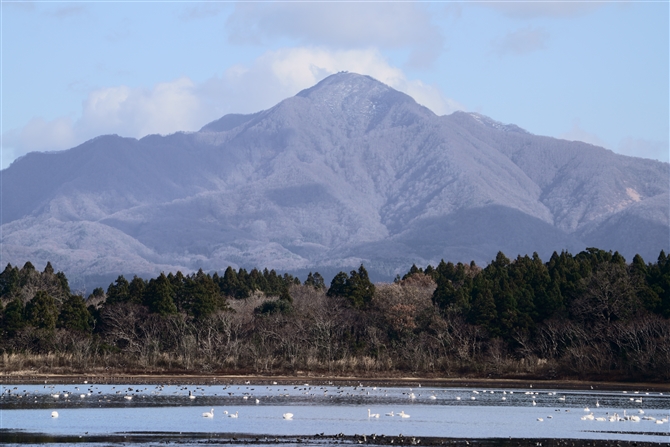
point(345, 172)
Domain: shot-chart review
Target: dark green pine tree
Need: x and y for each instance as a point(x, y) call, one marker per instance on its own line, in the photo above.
point(361, 290)
point(659, 280)
point(483, 310)
point(179, 293)
point(203, 294)
point(230, 285)
point(445, 294)
point(14, 317)
point(136, 290)
point(339, 285)
point(310, 280)
point(547, 298)
point(319, 282)
point(258, 282)
point(566, 274)
point(412, 271)
point(64, 284)
point(593, 257)
point(9, 281)
point(526, 285)
point(97, 293)
point(274, 281)
point(244, 282)
point(289, 280)
point(504, 296)
point(454, 287)
point(74, 315)
point(640, 278)
point(117, 292)
point(27, 274)
point(158, 296)
point(41, 311)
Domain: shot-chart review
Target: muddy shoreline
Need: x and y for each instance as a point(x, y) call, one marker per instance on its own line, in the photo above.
point(315, 440)
point(215, 379)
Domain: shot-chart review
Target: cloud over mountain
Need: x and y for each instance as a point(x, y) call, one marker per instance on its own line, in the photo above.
point(183, 104)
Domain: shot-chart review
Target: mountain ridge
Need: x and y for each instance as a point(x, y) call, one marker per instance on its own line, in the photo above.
point(314, 182)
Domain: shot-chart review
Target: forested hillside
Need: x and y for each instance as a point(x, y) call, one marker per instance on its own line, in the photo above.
point(592, 315)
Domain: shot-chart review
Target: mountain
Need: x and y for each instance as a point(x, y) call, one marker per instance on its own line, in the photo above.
point(347, 171)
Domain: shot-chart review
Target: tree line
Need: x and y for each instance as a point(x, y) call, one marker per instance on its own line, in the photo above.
point(591, 315)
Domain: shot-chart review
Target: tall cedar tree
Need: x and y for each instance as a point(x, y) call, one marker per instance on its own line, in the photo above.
point(158, 296)
point(74, 315)
point(41, 311)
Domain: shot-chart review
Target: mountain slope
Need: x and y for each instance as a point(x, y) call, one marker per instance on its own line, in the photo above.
point(345, 172)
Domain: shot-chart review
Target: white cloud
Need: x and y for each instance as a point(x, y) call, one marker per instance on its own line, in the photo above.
point(521, 41)
point(183, 105)
point(283, 73)
point(38, 135)
point(638, 147)
point(576, 133)
point(166, 108)
point(340, 25)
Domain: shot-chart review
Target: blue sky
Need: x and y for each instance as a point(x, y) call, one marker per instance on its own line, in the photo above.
point(591, 71)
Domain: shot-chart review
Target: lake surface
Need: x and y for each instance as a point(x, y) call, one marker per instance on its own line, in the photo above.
point(85, 409)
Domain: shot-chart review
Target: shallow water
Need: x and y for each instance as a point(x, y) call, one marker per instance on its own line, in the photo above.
point(437, 412)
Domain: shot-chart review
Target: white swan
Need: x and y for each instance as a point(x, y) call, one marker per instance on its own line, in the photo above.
point(433, 397)
point(208, 414)
point(233, 415)
point(287, 415)
point(390, 414)
point(190, 395)
point(403, 415)
point(54, 414)
point(128, 397)
point(372, 415)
